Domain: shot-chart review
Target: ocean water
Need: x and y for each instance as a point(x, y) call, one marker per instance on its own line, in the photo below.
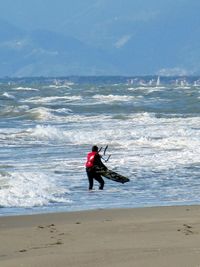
point(47, 127)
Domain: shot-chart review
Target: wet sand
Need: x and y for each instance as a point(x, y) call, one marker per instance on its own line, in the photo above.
point(143, 237)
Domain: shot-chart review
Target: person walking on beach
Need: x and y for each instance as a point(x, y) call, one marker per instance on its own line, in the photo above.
point(92, 164)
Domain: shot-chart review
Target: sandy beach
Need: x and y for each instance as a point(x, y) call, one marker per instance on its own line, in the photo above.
point(160, 236)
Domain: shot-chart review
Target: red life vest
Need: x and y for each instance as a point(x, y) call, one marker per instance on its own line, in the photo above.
point(90, 159)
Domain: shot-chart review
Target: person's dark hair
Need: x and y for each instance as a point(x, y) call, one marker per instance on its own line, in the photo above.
point(94, 148)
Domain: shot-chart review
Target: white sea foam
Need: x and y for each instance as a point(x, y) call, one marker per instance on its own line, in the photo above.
point(20, 88)
point(151, 88)
point(67, 86)
point(46, 114)
point(14, 110)
point(113, 98)
point(152, 143)
point(86, 119)
point(63, 110)
point(144, 139)
point(40, 113)
point(63, 115)
point(7, 95)
point(50, 99)
point(27, 189)
point(47, 133)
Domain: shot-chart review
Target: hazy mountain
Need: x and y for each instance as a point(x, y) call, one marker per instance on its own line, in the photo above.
point(42, 52)
point(100, 37)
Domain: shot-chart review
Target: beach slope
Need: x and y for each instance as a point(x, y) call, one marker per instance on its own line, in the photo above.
point(153, 237)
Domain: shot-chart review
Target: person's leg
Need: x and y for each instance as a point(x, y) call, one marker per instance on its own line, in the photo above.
point(100, 180)
point(90, 179)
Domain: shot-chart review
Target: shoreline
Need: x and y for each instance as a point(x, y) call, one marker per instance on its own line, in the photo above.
point(140, 237)
point(63, 211)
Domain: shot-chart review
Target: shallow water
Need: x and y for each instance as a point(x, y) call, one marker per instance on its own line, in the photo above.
point(46, 130)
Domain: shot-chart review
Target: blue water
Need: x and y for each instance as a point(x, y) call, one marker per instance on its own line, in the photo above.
point(48, 126)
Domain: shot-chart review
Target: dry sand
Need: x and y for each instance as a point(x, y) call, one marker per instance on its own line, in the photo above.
point(145, 237)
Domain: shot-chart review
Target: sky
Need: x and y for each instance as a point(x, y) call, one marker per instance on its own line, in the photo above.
point(118, 26)
point(55, 14)
point(80, 18)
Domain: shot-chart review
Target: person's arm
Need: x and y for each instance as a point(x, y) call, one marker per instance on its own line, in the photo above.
point(98, 162)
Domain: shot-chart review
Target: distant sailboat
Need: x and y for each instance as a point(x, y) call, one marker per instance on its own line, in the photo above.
point(158, 82)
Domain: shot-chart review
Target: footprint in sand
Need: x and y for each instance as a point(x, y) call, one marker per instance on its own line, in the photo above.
point(187, 229)
point(23, 250)
point(53, 235)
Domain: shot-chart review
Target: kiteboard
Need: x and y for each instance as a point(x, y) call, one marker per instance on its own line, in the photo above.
point(114, 176)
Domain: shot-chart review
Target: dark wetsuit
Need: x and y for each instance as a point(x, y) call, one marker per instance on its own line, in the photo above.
point(92, 174)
